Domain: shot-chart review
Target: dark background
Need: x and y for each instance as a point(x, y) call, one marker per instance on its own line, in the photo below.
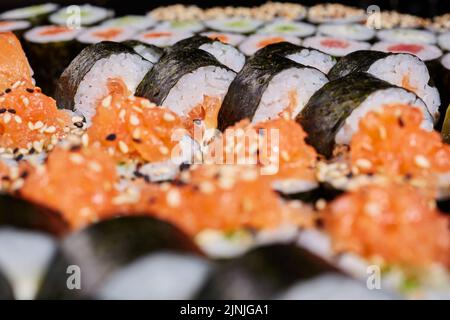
point(425, 8)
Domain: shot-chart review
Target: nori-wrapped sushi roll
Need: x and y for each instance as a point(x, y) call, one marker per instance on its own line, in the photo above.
point(88, 15)
point(401, 69)
point(329, 118)
point(18, 27)
point(57, 42)
point(102, 249)
point(36, 14)
point(441, 77)
point(6, 292)
point(150, 52)
point(267, 87)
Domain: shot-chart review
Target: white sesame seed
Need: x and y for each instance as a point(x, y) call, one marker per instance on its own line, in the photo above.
point(106, 102)
point(76, 158)
point(364, 163)
point(50, 129)
point(123, 147)
point(122, 114)
point(173, 198)
point(85, 139)
point(168, 117)
point(134, 120)
point(38, 124)
point(206, 187)
point(30, 125)
point(421, 161)
point(164, 150)
point(321, 204)
point(136, 134)
point(6, 118)
point(95, 166)
point(77, 119)
point(25, 101)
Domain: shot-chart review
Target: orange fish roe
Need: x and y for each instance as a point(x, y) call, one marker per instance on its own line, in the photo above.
point(391, 142)
point(78, 183)
point(206, 111)
point(396, 222)
point(30, 119)
point(272, 40)
point(133, 127)
point(14, 65)
point(222, 197)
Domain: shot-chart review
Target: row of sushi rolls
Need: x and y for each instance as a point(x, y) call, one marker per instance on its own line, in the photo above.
point(271, 152)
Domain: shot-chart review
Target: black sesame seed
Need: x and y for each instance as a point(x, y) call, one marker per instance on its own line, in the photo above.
point(137, 140)
point(31, 151)
point(19, 157)
point(12, 111)
point(2, 110)
point(400, 122)
point(184, 166)
point(76, 147)
point(15, 150)
point(78, 124)
point(24, 174)
point(111, 137)
point(138, 174)
point(147, 179)
point(178, 183)
point(30, 90)
point(8, 90)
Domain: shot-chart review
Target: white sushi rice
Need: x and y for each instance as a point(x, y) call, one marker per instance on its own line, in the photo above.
point(345, 46)
point(24, 257)
point(423, 51)
point(131, 21)
point(236, 24)
point(38, 34)
point(394, 68)
point(88, 15)
point(292, 186)
point(303, 81)
point(148, 53)
point(376, 101)
point(353, 31)
point(14, 25)
point(407, 35)
point(130, 68)
point(444, 41)
point(446, 61)
point(163, 275)
point(226, 54)
point(180, 26)
point(29, 12)
point(98, 34)
point(231, 38)
point(162, 38)
point(313, 58)
point(253, 43)
point(191, 88)
point(288, 28)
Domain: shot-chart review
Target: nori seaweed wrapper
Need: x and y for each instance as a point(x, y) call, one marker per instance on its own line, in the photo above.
point(154, 50)
point(358, 61)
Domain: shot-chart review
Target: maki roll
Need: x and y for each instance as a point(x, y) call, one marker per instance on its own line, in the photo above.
point(113, 254)
point(57, 41)
point(288, 28)
point(85, 80)
point(352, 31)
point(266, 88)
point(255, 42)
point(105, 33)
point(162, 38)
point(332, 114)
point(442, 80)
point(89, 15)
point(444, 41)
point(407, 35)
point(180, 26)
point(230, 38)
point(335, 13)
point(5, 289)
point(334, 46)
point(235, 25)
point(306, 56)
point(224, 53)
point(36, 14)
point(190, 82)
point(130, 21)
point(403, 70)
point(150, 52)
point(425, 52)
point(18, 27)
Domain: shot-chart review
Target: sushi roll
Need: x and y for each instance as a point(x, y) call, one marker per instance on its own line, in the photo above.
point(224, 53)
point(425, 52)
point(230, 38)
point(332, 114)
point(352, 31)
point(266, 88)
point(444, 41)
point(113, 254)
point(255, 42)
point(6, 292)
point(162, 38)
point(337, 47)
point(150, 52)
point(131, 21)
point(89, 15)
point(180, 26)
point(335, 13)
point(407, 35)
point(190, 82)
point(36, 14)
point(18, 27)
point(57, 41)
point(84, 81)
point(288, 28)
point(306, 56)
point(442, 80)
point(105, 33)
point(403, 70)
point(235, 25)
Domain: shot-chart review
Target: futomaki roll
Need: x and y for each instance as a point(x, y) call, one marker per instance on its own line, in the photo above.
point(403, 70)
point(306, 56)
point(230, 38)
point(332, 114)
point(337, 47)
point(224, 53)
point(84, 15)
point(444, 41)
point(57, 42)
point(162, 38)
point(131, 21)
point(267, 88)
point(407, 35)
point(425, 52)
point(190, 82)
point(105, 33)
point(335, 13)
point(36, 14)
point(236, 25)
point(255, 42)
point(288, 28)
point(180, 26)
point(150, 52)
point(354, 31)
point(18, 27)
point(85, 80)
